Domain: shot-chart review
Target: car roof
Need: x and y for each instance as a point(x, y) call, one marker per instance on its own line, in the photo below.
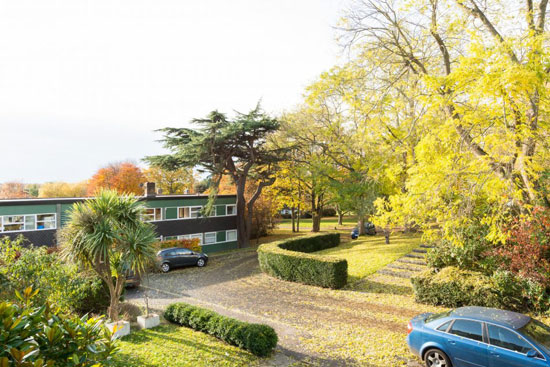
point(509, 319)
point(174, 248)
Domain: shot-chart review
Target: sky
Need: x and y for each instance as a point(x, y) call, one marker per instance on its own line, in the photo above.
point(85, 83)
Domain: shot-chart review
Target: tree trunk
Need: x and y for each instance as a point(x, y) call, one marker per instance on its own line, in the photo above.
point(242, 238)
point(316, 218)
point(316, 212)
point(298, 219)
point(340, 215)
point(361, 225)
point(292, 215)
point(387, 235)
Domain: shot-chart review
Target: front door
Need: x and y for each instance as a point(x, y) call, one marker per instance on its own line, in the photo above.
point(509, 349)
point(465, 344)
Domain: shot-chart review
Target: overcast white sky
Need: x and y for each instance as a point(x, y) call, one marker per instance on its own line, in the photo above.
point(84, 83)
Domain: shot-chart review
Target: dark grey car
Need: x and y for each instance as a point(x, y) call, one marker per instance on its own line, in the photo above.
point(176, 257)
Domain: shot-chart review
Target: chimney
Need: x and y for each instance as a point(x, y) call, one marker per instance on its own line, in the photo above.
point(150, 190)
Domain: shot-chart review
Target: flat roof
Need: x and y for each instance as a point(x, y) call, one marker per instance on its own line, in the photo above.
point(22, 201)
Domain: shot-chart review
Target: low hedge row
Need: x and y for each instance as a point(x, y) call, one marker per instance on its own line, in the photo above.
point(454, 287)
point(290, 260)
point(256, 338)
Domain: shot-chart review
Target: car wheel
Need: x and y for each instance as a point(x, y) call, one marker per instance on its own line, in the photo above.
point(165, 267)
point(201, 263)
point(436, 358)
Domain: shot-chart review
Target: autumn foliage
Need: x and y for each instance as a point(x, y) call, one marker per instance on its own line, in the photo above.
point(12, 190)
point(527, 250)
point(123, 177)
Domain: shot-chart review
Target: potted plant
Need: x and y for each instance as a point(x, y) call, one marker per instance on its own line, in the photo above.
point(150, 320)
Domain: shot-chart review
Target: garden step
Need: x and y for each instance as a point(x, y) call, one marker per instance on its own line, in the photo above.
point(405, 267)
point(427, 246)
point(411, 261)
point(414, 256)
point(420, 250)
point(398, 274)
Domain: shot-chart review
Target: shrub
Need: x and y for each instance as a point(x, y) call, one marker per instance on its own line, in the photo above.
point(290, 260)
point(39, 336)
point(453, 287)
point(56, 281)
point(193, 244)
point(256, 338)
point(526, 252)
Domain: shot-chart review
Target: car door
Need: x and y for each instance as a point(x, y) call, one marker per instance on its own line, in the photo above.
point(186, 257)
point(508, 349)
point(465, 344)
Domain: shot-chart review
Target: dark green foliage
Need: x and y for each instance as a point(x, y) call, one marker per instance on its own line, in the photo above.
point(56, 281)
point(453, 287)
point(290, 260)
point(256, 338)
point(40, 336)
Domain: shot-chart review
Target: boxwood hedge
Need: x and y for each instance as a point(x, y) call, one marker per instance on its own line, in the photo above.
point(292, 260)
point(257, 338)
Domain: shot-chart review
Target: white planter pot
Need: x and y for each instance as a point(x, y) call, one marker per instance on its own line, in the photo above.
point(148, 322)
point(122, 328)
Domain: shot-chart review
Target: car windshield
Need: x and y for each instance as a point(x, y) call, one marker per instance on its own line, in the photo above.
point(437, 316)
point(539, 332)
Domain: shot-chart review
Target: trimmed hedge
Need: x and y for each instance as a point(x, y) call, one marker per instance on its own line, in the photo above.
point(290, 260)
point(257, 338)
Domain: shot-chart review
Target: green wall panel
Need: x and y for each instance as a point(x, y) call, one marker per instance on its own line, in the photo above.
point(209, 249)
point(171, 213)
point(220, 236)
point(27, 209)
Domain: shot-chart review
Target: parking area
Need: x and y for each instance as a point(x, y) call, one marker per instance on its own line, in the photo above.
point(364, 324)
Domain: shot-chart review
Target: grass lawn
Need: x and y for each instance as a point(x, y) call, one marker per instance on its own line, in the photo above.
point(328, 223)
point(174, 346)
point(367, 254)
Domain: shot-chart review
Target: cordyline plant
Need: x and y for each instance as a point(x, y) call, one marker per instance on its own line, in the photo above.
point(108, 235)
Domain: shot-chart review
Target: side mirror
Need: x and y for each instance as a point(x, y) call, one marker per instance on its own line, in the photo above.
point(532, 353)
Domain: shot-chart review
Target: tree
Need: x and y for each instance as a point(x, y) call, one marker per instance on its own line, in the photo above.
point(177, 181)
point(221, 146)
point(124, 177)
point(107, 234)
point(481, 82)
point(12, 190)
point(63, 190)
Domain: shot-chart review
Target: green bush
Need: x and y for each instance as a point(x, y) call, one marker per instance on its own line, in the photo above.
point(290, 260)
point(56, 281)
point(40, 336)
point(453, 287)
point(258, 339)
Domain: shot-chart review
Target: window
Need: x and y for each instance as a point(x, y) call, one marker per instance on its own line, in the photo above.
point(29, 222)
point(231, 235)
point(468, 329)
point(507, 339)
point(183, 252)
point(209, 238)
point(152, 214)
point(444, 327)
point(189, 212)
point(231, 209)
point(539, 332)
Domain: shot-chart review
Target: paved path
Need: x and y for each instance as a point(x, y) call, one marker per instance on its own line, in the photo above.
point(233, 285)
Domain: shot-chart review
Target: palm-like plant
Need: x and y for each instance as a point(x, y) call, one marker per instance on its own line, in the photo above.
point(108, 235)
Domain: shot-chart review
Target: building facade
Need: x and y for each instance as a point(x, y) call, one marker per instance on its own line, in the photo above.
point(174, 217)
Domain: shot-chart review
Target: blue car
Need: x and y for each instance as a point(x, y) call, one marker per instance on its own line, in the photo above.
point(479, 337)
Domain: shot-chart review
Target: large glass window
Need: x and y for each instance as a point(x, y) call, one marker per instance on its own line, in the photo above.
point(231, 210)
point(505, 338)
point(152, 214)
point(231, 235)
point(468, 329)
point(189, 212)
point(209, 238)
point(28, 222)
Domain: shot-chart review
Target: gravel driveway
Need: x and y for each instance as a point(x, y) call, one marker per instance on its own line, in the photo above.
point(303, 316)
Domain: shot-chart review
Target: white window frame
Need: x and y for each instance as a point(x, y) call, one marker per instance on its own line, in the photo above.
point(192, 209)
point(234, 208)
point(53, 222)
point(227, 235)
point(215, 238)
point(156, 215)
